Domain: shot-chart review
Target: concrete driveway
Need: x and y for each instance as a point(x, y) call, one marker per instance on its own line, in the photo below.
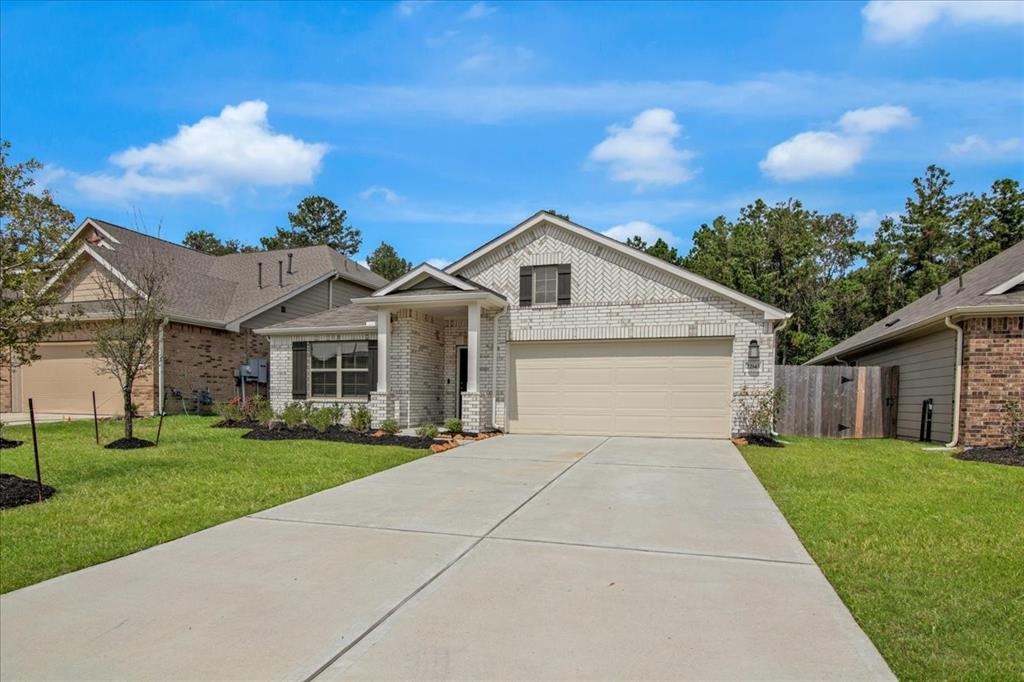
point(516, 557)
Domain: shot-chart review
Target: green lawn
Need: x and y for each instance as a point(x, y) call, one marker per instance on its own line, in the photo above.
point(926, 551)
point(114, 502)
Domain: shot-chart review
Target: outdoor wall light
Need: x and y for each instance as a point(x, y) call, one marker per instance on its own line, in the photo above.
point(753, 352)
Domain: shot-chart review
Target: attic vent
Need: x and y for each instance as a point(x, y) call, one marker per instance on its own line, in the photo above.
point(290, 264)
point(892, 322)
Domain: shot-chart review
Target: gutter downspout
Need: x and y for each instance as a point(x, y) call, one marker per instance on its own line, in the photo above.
point(160, 364)
point(494, 366)
point(956, 379)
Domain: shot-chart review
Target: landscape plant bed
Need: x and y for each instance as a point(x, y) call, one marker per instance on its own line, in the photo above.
point(236, 424)
point(129, 444)
point(760, 441)
point(1009, 456)
point(4, 443)
point(338, 434)
point(16, 491)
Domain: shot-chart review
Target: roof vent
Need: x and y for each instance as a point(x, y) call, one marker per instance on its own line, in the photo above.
point(280, 273)
point(892, 322)
point(289, 263)
point(259, 275)
point(960, 279)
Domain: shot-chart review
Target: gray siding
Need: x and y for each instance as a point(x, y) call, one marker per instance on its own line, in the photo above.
point(312, 300)
point(926, 371)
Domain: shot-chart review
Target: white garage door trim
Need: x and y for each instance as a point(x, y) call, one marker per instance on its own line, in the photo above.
point(663, 387)
point(74, 393)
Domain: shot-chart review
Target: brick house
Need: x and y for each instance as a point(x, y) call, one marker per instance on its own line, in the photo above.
point(213, 305)
point(972, 328)
point(548, 328)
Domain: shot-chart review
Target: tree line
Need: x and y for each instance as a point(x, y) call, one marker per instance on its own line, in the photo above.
point(813, 265)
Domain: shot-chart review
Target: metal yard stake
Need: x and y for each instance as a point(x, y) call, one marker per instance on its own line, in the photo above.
point(159, 428)
point(35, 447)
point(95, 418)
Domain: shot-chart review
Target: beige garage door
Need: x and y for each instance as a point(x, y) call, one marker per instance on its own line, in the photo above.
point(628, 388)
point(63, 379)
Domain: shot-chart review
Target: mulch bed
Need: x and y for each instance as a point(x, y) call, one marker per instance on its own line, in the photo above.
point(129, 444)
point(755, 439)
point(16, 491)
point(4, 443)
point(236, 424)
point(338, 434)
point(1008, 456)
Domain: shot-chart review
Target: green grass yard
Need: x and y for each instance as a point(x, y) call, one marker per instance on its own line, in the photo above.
point(114, 502)
point(927, 551)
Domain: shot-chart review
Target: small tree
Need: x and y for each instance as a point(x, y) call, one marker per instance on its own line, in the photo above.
point(1014, 424)
point(758, 408)
point(316, 220)
point(134, 310)
point(386, 262)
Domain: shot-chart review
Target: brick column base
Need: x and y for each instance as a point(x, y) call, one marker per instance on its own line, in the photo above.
point(472, 412)
point(380, 408)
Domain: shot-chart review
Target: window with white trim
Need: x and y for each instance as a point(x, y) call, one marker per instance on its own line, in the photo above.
point(545, 284)
point(339, 369)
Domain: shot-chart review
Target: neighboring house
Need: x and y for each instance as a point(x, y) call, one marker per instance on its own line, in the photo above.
point(549, 328)
point(972, 326)
point(213, 304)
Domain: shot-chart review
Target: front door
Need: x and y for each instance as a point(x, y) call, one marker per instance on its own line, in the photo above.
point(463, 371)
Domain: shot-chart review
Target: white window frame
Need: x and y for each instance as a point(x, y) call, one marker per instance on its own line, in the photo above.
point(536, 278)
point(340, 371)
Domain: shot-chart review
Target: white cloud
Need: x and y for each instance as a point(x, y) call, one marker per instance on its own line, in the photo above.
point(981, 147)
point(386, 193)
point(479, 10)
point(822, 153)
point(439, 263)
point(644, 153)
point(646, 231)
point(896, 20)
point(211, 157)
point(875, 119)
point(407, 8)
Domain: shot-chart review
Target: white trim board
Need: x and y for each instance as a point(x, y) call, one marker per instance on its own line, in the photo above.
point(418, 274)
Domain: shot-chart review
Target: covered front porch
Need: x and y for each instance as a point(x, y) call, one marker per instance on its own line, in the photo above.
point(437, 351)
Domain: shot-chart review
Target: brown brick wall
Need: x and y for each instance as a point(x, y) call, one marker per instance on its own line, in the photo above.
point(993, 372)
point(199, 357)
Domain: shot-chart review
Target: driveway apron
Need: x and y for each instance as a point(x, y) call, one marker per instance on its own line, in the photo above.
point(536, 557)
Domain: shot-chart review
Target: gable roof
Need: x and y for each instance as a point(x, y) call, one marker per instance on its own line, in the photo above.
point(342, 318)
point(770, 311)
point(987, 289)
point(218, 291)
point(423, 272)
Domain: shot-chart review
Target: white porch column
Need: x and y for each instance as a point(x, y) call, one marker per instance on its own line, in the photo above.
point(383, 332)
point(472, 347)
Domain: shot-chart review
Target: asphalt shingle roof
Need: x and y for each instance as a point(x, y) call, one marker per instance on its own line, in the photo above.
point(222, 289)
point(351, 315)
point(946, 299)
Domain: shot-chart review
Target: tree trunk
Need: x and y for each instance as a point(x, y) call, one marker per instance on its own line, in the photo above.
point(129, 424)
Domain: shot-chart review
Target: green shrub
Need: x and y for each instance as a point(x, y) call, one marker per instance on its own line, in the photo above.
point(1014, 424)
point(229, 411)
point(336, 411)
point(293, 415)
point(361, 418)
point(321, 419)
point(453, 425)
point(428, 430)
point(389, 426)
point(255, 408)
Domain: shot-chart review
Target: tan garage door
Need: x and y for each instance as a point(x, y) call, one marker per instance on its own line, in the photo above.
point(62, 380)
point(628, 388)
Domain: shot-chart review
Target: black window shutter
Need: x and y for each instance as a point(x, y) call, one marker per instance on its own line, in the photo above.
point(525, 286)
point(564, 284)
point(299, 370)
point(371, 348)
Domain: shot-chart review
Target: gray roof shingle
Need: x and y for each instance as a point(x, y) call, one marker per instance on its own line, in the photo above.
point(944, 300)
point(351, 315)
point(223, 289)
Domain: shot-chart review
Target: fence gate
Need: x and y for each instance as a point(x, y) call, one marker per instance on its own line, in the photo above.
point(838, 402)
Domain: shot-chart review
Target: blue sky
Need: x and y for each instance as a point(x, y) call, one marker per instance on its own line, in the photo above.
point(439, 125)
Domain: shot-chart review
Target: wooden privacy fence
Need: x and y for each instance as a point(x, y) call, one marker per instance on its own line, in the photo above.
point(838, 402)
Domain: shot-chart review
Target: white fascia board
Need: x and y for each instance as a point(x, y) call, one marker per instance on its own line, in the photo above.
point(486, 297)
point(85, 250)
point(235, 324)
point(421, 272)
point(770, 311)
point(292, 331)
point(89, 222)
point(1006, 286)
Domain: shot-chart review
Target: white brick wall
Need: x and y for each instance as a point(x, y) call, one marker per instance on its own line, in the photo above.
point(617, 297)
